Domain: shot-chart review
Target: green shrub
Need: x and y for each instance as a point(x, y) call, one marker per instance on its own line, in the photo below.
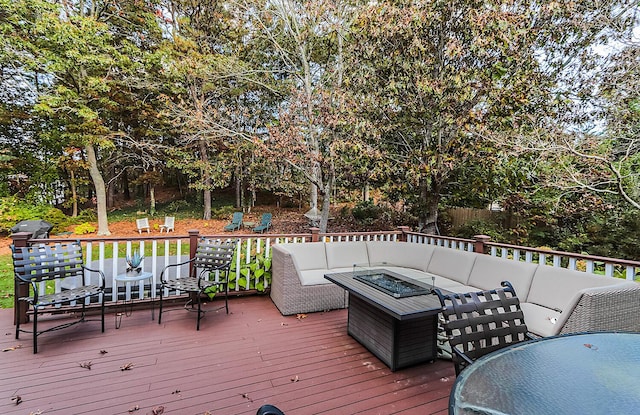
point(223, 212)
point(366, 212)
point(14, 210)
point(86, 215)
point(482, 227)
point(253, 274)
point(84, 228)
point(177, 205)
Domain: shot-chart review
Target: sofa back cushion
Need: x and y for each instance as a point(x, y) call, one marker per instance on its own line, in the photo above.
point(346, 254)
point(489, 271)
point(308, 255)
point(400, 254)
point(555, 288)
point(451, 263)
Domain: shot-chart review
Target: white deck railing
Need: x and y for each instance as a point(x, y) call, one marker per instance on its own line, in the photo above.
point(610, 267)
point(255, 254)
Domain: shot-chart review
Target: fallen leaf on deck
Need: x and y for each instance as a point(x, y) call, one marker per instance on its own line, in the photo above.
point(17, 399)
point(38, 412)
point(86, 365)
point(246, 396)
point(301, 316)
point(157, 410)
point(175, 392)
point(128, 366)
point(10, 349)
point(103, 352)
point(295, 379)
point(134, 408)
point(283, 324)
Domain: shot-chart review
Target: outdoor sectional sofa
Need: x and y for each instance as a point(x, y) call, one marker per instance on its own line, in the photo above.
point(554, 300)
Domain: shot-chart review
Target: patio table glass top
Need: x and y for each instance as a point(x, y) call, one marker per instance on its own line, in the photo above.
point(590, 373)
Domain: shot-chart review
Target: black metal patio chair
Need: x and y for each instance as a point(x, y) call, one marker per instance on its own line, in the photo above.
point(40, 264)
point(478, 323)
point(208, 270)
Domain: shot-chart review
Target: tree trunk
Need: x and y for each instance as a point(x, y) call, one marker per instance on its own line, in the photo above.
point(101, 193)
point(313, 196)
point(152, 199)
point(238, 188)
point(324, 218)
point(125, 186)
point(74, 195)
point(206, 180)
point(430, 199)
point(326, 203)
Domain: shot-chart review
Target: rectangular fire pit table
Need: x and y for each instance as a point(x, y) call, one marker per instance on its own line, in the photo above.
point(398, 327)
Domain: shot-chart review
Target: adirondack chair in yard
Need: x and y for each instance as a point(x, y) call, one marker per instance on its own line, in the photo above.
point(143, 224)
point(265, 223)
point(236, 222)
point(169, 224)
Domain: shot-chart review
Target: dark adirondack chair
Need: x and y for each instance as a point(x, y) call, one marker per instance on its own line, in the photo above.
point(265, 223)
point(236, 222)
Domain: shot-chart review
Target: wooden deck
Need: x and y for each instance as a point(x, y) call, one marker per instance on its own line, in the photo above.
point(233, 365)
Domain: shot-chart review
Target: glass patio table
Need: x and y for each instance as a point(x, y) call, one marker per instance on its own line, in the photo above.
point(587, 373)
point(127, 278)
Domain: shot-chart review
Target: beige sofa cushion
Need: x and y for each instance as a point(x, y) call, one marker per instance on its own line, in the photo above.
point(453, 264)
point(489, 271)
point(346, 254)
point(401, 254)
point(309, 255)
point(556, 288)
point(555, 292)
point(542, 321)
point(314, 277)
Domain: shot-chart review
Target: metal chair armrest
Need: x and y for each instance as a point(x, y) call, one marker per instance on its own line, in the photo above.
point(462, 355)
point(100, 274)
point(162, 279)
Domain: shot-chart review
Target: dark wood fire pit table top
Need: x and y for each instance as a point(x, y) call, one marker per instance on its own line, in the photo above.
point(403, 308)
point(400, 331)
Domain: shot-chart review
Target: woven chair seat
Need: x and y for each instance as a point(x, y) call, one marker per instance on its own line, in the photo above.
point(188, 284)
point(65, 296)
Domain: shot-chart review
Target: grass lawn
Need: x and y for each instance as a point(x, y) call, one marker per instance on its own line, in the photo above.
point(6, 281)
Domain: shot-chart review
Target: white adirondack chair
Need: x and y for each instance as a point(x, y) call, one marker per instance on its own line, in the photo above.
point(168, 225)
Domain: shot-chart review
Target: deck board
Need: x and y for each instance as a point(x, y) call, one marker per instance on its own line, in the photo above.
point(233, 365)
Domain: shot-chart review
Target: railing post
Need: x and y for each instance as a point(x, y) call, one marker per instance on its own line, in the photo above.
point(404, 229)
point(194, 235)
point(315, 234)
point(479, 245)
point(20, 289)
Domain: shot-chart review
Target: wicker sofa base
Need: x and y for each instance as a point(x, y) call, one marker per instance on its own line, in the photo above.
point(291, 297)
point(554, 300)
